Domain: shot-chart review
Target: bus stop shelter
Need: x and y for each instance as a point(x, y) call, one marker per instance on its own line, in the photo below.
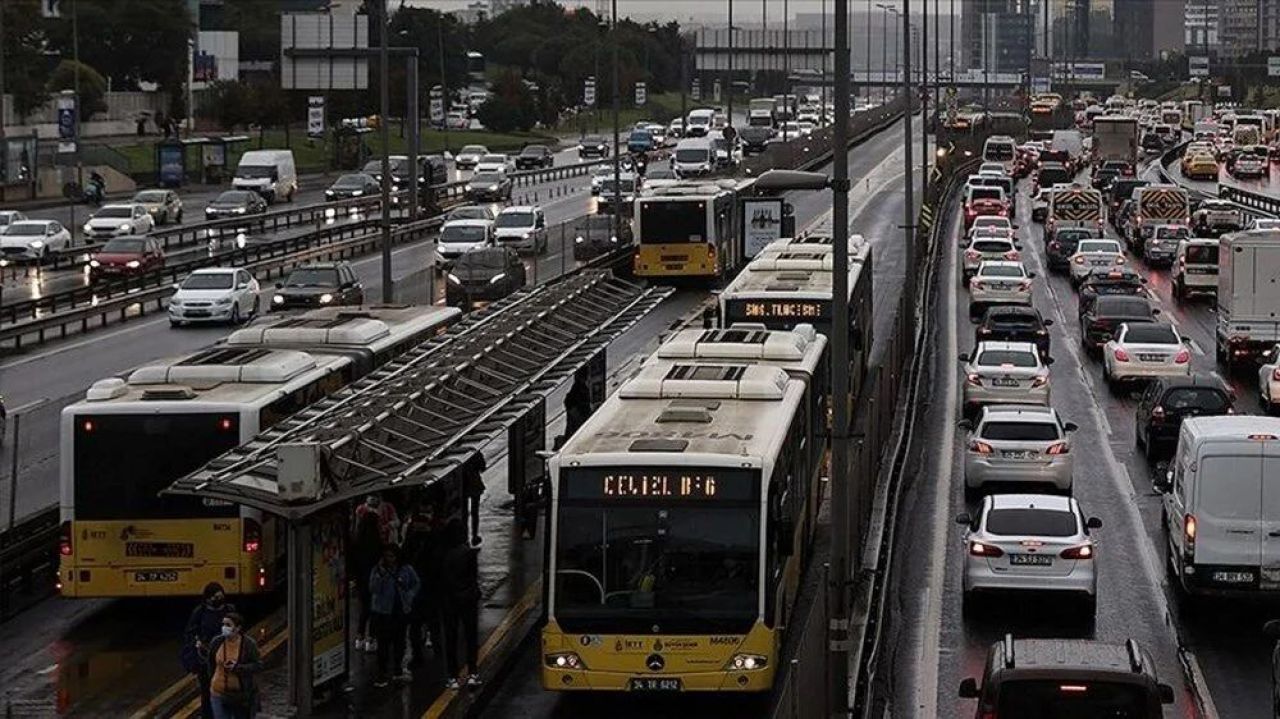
point(210, 155)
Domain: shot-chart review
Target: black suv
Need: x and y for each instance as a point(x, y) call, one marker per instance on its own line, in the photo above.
point(322, 284)
point(1061, 245)
point(1014, 324)
point(593, 236)
point(1111, 281)
point(1052, 173)
point(1121, 189)
point(1068, 678)
point(484, 274)
point(755, 139)
point(1105, 315)
point(533, 157)
point(593, 147)
point(1169, 400)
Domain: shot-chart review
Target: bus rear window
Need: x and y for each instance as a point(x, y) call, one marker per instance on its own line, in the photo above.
point(1071, 699)
point(123, 461)
point(673, 222)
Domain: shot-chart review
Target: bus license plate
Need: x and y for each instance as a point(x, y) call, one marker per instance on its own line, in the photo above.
point(155, 575)
point(1233, 577)
point(653, 684)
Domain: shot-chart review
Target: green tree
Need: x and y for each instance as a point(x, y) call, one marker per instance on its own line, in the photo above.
point(512, 107)
point(129, 41)
point(227, 103)
point(25, 66)
point(93, 87)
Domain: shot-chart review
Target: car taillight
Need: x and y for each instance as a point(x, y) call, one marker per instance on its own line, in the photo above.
point(1003, 213)
point(1119, 261)
point(1275, 374)
point(1083, 551)
point(1039, 382)
point(1012, 255)
point(65, 547)
point(981, 549)
point(1121, 355)
point(1189, 529)
point(980, 447)
point(1079, 260)
point(1157, 413)
point(1025, 286)
point(1058, 448)
point(971, 254)
point(251, 534)
point(974, 380)
point(1183, 356)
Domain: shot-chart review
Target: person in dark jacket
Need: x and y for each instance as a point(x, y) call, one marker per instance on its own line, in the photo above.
point(203, 626)
point(473, 491)
point(424, 551)
point(460, 589)
point(393, 587)
point(234, 659)
point(366, 551)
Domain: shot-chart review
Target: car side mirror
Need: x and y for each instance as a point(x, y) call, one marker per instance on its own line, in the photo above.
point(1048, 323)
point(969, 689)
point(1093, 523)
point(176, 287)
point(1164, 482)
point(1048, 360)
point(1017, 226)
point(1166, 693)
point(964, 519)
point(1185, 339)
point(963, 357)
point(1070, 426)
point(1155, 310)
point(965, 424)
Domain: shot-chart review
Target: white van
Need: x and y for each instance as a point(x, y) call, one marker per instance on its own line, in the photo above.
point(693, 157)
point(270, 173)
point(1001, 149)
point(1222, 506)
point(700, 122)
point(1195, 267)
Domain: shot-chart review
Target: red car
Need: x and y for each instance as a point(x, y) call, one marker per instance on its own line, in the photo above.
point(982, 200)
point(126, 256)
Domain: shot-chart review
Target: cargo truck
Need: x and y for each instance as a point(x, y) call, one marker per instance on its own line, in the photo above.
point(1115, 137)
point(1248, 296)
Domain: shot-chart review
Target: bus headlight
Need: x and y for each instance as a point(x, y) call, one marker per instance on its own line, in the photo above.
point(565, 660)
point(746, 662)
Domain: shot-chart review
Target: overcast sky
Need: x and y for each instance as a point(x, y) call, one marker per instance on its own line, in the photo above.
point(744, 11)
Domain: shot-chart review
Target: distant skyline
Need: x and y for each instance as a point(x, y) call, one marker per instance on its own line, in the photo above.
point(703, 11)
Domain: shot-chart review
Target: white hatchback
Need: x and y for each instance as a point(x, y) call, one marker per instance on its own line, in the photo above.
point(1095, 254)
point(33, 239)
point(215, 294)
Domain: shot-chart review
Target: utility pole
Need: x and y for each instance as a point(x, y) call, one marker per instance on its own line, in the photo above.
point(822, 112)
point(924, 99)
point(868, 86)
point(388, 290)
point(617, 108)
point(937, 64)
point(786, 67)
point(838, 578)
point(730, 82)
point(444, 79)
point(75, 54)
point(908, 209)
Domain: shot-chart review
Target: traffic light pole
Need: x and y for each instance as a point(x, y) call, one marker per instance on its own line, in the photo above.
point(388, 289)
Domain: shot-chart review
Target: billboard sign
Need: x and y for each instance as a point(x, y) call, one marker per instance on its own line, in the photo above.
point(1198, 66)
point(315, 115)
point(642, 94)
point(1273, 66)
point(589, 92)
point(696, 91)
point(763, 223)
point(67, 122)
point(1080, 70)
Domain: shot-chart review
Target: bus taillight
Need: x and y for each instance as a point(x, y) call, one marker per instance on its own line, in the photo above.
point(251, 532)
point(64, 542)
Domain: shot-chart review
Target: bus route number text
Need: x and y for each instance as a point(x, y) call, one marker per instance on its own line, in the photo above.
point(642, 486)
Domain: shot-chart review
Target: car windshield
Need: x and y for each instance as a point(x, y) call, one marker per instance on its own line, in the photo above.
point(1147, 333)
point(1020, 431)
point(1054, 699)
point(232, 198)
point(209, 281)
point(986, 193)
point(1202, 254)
point(486, 260)
point(594, 223)
point(690, 154)
point(473, 150)
point(1010, 358)
point(113, 213)
point(1016, 521)
point(25, 229)
point(534, 151)
point(1205, 399)
point(1052, 175)
point(486, 178)
point(256, 172)
point(642, 135)
point(1001, 271)
point(124, 247)
point(1099, 246)
point(494, 159)
point(1173, 233)
point(149, 196)
point(515, 219)
point(660, 173)
point(592, 140)
point(1072, 235)
point(472, 212)
point(992, 222)
point(625, 184)
point(353, 181)
point(313, 277)
point(462, 233)
point(992, 245)
point(1122, 306)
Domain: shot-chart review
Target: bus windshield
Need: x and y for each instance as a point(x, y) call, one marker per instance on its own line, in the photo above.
point(671, 222)
point(683, 563)
point(110, 484)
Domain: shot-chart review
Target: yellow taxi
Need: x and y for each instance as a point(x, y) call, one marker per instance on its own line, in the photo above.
point(1200, 165)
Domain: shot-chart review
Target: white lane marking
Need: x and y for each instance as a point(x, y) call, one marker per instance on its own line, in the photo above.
point(930, 628)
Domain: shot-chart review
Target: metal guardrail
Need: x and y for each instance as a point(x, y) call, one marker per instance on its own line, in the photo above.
point(1252, 203)
point(26, 550)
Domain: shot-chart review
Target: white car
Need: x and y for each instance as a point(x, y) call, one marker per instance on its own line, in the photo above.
point(999, 283)
point(1005, 373)
point(602, 173)
point(1249, 165)
point(164, 205)
point(1261, 223)
point(457, 237)
point(10, 216)
point(119, 220)
point(991, 226)
point(993, 168)
point(986, 249)
point(33, 239)
point(215, 294)
point(1143, 350)
point(1195, 267)
point(469, 156)
point(522, 228)
point(1269, 380)
point(1030, 543)
point(495, 163)
point(1094, 254)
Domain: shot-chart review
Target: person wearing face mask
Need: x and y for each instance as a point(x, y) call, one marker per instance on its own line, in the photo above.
point(204, 624)
point(234, 659)
point(393, 587)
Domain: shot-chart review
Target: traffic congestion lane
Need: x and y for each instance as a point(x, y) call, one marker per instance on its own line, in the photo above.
point(61, 373)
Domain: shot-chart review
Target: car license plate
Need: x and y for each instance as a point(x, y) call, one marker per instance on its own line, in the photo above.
point(146, 576)
point(655, 684)
point(1034, 560)
point(1101, 263)
point(1233, 577)
point(1016, 454)
point(1151, 358)
point(1004, 382)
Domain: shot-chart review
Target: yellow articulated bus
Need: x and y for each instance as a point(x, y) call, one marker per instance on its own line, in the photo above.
point(688, 230)
point(132, 437)
point(678, 519)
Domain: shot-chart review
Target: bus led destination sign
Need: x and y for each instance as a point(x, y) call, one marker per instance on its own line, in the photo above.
point(779, 309)
point(675, 486)
point(688, 484)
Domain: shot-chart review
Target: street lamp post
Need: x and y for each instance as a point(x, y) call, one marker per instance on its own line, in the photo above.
point(884, 51)
point(388, 289)
point(617, 109)
point(730, 82)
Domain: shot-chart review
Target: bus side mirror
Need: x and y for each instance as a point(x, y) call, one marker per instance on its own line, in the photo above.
point(969, 689)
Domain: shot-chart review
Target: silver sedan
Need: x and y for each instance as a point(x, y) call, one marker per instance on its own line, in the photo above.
point(1012, 444)
point(1005, 373)
point(1024, 543)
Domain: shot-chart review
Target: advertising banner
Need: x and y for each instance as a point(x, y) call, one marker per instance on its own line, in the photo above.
point(328, 599)
point(762, 223)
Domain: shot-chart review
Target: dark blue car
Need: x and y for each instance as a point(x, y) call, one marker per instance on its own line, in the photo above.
point(640, 141)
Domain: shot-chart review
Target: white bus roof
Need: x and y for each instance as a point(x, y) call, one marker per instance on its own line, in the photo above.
point(794, 273)
point(372, 327)
point(819, 242)
point(798, 351)
point(731, 414)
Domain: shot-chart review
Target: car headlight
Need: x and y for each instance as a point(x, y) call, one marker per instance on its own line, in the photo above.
point(239, 210)
point(496, 278)
point(35, 244)
point(577, 240)
point(613, 239)
point(469, 187)
point(326, 298)
point(88, 228)
point(126, 227)
point(746, 662)
point(277, 300)
point(357, 193)
point(133, 264)
point(453, 278)
point(565, 660)
point(224, 301)
point(328, 193)
point(526, 236)
point(94, 263)
point(153, 210)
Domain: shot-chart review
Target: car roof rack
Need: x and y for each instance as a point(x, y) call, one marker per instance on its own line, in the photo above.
point(1008, 652)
